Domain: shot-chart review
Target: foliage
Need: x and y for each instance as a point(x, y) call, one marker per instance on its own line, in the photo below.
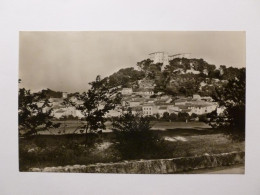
point(166, 116)
point(229, 73)
point(151, 70)
point(34, 112)
point(97, 101)
point(183, 116)
point(203, 118)
point(173, 117)
point(50, 93)
point(125, 77)
point(193, 115)
point(134, 137)
point(61, 150)
point(232, 98)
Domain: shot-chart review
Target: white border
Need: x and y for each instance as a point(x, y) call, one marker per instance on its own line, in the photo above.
point(17, 15)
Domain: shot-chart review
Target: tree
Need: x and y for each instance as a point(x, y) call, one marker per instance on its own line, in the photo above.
point(125, 77)
point(34, 112)
point(133, 136)
point(232, 98)
point(229, 73)
point(193, 116)
point(145, 64)
point(183, 116)
point(166, 116)
point(203, 118)
point(173, 117)
point(97, 101)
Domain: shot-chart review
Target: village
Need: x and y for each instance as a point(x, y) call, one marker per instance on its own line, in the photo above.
point(161, 106)
point(143, 101)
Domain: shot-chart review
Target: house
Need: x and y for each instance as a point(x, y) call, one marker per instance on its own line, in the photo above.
point(192, 71)
point(59, 112)
point(200, 109)
point(145, 92)
point(180, 102)
point(207, 98)
point(134, 103)
point(113, 113)
point(162, 109)
point(148, 109)
point(56, 101)
point(184, 108)
point(127, 91)
point(196, 97)
point(173, 109)
point(125, 101)
point(137, 109)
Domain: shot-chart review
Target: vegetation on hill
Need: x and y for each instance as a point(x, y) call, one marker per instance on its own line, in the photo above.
point(51, 94)
point(232, 98)
point(181, 77)
point(125, 77)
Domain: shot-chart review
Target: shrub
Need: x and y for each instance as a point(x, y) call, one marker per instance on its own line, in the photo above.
point(183, 116)
point(134, 138)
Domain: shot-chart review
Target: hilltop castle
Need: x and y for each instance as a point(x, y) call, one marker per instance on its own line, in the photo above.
point(164, 57)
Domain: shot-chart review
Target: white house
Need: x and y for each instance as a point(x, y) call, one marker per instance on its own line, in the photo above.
point(127, 91)
point(162, 109)
point(148, 109)
point(145, 92)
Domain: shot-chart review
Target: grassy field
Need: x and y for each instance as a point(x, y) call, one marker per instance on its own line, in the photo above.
point(60, 150)
point(71, 126)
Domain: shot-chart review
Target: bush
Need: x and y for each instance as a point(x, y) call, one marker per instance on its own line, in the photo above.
point(134, 138)
point(183, 116)
point(203, 118)
point(166, 116)
point(173, 117)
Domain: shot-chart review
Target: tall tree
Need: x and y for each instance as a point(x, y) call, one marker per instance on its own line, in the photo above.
point(232, 99)
point(97, 101)
point(34, 112)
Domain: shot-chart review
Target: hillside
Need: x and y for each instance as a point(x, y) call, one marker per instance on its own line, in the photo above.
point(181, 77)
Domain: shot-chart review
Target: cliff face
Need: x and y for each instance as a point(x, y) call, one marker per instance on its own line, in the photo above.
point(159, 166)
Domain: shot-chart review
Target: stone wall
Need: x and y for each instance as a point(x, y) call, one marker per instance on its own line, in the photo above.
point(158, 166)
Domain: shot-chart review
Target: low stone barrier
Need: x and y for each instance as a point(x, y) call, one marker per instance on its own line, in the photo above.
point(156, 166)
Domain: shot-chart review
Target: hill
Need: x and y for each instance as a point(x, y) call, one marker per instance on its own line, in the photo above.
point(181, 77)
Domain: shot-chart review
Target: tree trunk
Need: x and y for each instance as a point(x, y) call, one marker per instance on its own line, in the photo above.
point(86, 136)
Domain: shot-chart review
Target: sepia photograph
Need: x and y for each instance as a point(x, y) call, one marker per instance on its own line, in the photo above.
point(132, 102)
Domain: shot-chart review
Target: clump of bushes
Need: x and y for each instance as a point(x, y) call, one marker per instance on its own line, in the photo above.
point(133, 137)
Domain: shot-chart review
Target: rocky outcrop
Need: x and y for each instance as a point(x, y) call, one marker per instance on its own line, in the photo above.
point(159, 166)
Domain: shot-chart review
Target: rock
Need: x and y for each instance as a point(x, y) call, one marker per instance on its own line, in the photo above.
point(157, 166)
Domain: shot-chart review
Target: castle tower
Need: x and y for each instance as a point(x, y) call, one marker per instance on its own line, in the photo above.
point(159, 57)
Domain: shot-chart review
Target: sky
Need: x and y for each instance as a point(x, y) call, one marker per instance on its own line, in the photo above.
point(68, 61)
